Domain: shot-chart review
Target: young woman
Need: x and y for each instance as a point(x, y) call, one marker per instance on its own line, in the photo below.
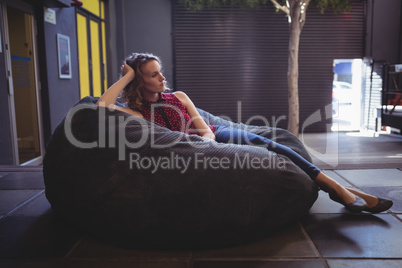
point(142, 85)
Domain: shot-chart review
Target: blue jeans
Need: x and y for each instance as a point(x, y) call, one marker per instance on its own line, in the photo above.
point(227, 134)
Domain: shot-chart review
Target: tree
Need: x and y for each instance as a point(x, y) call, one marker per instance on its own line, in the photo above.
point(296, 11)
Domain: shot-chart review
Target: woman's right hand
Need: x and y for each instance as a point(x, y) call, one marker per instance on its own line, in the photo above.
point(126, 69)
point(108, 99)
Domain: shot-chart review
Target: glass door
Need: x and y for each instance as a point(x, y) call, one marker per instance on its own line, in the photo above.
point(23, 87)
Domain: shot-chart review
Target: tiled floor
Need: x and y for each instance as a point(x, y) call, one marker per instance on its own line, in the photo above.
point(329, 236)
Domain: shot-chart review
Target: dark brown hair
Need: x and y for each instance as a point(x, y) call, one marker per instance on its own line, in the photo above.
point(132, 92)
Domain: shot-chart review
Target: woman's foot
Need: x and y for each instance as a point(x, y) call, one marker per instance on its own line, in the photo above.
point(340, 194)
point(351, 201)
point(374, 204)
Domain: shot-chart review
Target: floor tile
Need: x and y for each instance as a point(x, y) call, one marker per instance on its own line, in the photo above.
point(393, 193)
point(38, 206)
point(30, 263)
point(336, 177)
point(14, 168)
point(129, 264)
point(324, 204)
point(89, 248)
point(259, 264)
point(358, 236)
point(372, 177)
point(10, 199)
point(22, 180)
point(2, 174)
point(99, 263)
point(348, 150)
point(286, 243)
point(35, 237)
point(365, 263)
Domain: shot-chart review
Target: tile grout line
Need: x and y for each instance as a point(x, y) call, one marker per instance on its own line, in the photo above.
point(191, 260)
point(363, 258)
point(342, 177)
point(396, 216)
point(72, 249)
point(269, 258)
point(310, 241)
point(23, 203)
point(279, 259)
point(370, 186)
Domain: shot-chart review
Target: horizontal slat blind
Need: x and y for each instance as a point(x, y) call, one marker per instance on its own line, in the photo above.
point(229, 58)
point(372, 93)
point(326, 37)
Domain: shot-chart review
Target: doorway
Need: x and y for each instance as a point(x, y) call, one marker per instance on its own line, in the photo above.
point(23, 86)
point(347, 94)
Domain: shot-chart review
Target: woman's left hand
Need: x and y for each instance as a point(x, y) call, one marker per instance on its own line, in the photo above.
point(209, 135)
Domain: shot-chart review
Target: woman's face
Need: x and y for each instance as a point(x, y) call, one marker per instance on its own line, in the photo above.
point(152, 79)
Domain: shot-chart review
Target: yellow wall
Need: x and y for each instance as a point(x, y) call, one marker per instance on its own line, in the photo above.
point(83, 55)
point(104, 55)
point(92, 49)
point(92, 6)
point(95, 51)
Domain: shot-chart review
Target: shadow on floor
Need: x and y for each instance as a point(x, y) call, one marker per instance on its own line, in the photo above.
point(328, 236)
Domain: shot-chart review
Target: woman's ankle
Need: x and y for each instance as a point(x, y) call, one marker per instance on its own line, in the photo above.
point(326, 183)
point(371, 200)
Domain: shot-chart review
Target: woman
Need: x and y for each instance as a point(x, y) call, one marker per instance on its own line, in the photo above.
point(142, 85)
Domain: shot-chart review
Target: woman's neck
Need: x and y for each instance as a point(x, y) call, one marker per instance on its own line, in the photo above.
point(153, 97)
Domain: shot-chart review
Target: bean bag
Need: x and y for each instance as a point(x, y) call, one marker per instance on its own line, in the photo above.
point(134, 183)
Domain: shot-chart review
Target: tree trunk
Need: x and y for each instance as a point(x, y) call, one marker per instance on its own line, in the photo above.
point(293, 66)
